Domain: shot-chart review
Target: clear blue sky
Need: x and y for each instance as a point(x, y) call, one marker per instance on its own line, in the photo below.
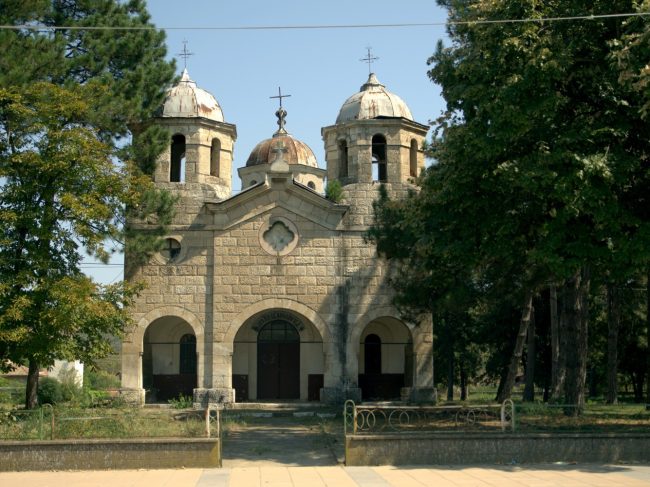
point(319, 68)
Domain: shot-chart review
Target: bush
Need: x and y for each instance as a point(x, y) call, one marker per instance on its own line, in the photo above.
point(334, 191)
point(49, 391)
point(181, 402)
point(100, 380)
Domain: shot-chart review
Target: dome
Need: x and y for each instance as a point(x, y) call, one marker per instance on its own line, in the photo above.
point(372, 101)
point(186, 100)
point(295, 151)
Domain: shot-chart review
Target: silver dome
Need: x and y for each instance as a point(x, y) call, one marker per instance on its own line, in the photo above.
point(186, 100)
point(372, 101)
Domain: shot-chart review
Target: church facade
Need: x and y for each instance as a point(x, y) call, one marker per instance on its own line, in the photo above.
point(273, 294)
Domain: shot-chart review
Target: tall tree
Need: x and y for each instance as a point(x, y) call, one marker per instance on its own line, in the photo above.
point(541, 162)
point(72, 169)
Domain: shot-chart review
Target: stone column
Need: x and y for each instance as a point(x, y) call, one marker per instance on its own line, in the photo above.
point(132, 391)
point(221, 391)
point(423, 389)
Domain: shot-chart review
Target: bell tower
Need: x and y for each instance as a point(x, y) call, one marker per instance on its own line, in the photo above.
point(374, 141)
point(200, 151)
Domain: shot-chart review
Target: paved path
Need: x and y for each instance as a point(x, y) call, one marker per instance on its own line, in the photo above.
point(282, 441)
point(339, 476)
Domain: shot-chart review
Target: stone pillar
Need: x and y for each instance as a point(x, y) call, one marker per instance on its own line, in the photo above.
point(132, 391)
point(221, 391)
point(423, 389)
point(340, 383)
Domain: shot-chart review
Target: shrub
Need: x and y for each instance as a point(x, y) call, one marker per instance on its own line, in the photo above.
point(181, 402)
point(100, 380)
point(334, 191)
point(49, 391)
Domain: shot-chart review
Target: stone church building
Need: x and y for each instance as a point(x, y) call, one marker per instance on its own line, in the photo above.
point(273, 294)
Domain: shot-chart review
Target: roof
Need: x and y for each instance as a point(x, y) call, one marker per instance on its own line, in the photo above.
point(186, 100)
point(372, 101)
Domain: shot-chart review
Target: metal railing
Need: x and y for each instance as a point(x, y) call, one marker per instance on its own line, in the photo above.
point(51, 423)
point(375, 418)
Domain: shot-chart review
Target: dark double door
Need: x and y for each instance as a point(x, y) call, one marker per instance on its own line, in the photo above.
point(278, 361)
point(278, 370)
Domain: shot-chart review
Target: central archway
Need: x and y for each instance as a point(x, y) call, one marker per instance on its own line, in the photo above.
point(277, 355)
point(278, 361)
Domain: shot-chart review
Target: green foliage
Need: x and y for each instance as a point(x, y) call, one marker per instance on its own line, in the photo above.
point(541, 167)
point(50, 391)
point(75, 166)
point(181, 402)
point(334, 191)
point(100, 379)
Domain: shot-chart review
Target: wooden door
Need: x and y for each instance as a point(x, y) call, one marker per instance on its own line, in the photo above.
point(278, 361)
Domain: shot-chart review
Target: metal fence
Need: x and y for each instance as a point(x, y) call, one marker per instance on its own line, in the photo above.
point(52, 423)
point(379, 418)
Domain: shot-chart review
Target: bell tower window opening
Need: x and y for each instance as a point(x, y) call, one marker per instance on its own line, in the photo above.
point(343, 159)
point(379, 170)
point(215, 157)
point(177, 162)
point(413, 156)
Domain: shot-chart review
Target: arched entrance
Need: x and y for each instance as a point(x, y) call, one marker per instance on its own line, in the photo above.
point(278, 361)
point(169, 359)
point(277, 355)
point(385, 359)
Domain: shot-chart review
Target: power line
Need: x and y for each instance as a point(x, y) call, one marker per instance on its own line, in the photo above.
point(321, 26)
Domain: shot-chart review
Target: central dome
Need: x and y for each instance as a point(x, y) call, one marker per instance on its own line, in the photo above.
point(373, 101)
point(282, 145)
point(295, 151)
point(186, 100)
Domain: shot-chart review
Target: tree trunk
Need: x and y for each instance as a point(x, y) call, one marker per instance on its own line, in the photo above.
point(613, 324)
point(557, 389)
point(529, 390)
point(647, 323)
point(463, 382)
point(31, 389)
point(555, 340)
point(450, 374)
point(576, 328)
point(526, 313)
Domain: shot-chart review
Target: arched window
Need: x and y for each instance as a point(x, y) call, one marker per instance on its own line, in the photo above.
point(311, 185)
point(379, 158)
point(414, 158)
point(177, 163)
point(187, 359)
point(278, 331)
point(372, 354)
point(215, 157)
point(343, 159)
point(253, 183)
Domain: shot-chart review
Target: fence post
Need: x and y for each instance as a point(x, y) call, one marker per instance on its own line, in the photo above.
point(348, 415)
point(207, 421)
point(507, 414)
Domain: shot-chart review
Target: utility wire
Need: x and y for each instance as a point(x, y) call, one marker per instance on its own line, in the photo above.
point(321, 27)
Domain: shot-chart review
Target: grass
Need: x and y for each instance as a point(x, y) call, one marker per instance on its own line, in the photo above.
point(124, 422)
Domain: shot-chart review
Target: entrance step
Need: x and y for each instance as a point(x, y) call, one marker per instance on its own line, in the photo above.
point(280, 409)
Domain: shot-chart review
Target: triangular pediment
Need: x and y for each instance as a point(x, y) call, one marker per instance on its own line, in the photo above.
point(279, 191)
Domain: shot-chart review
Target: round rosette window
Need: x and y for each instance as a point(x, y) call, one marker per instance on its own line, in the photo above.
point(278, 236)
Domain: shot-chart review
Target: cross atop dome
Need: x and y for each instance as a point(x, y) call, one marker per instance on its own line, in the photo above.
point(369, 59)
point(185, 54)
point(281, 113)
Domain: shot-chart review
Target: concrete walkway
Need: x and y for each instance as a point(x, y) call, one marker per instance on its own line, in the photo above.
point(339, 476)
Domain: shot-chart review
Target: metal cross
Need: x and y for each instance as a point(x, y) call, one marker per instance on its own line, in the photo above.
point(369, 60)
point(280, 96)
point(185, 54)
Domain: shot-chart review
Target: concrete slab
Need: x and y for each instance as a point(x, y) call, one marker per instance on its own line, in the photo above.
point(340, 476)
